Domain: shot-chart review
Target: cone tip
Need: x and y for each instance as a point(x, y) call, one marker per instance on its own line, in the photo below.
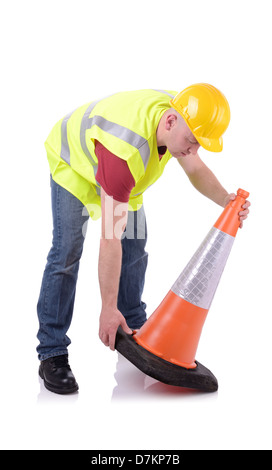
point(242, 193)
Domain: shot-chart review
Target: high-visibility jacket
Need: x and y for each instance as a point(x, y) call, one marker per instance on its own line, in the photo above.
point(125, 123)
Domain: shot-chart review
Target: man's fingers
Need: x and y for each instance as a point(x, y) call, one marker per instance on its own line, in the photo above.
point(104, 338)
point(112, 338)
point(108, 329)
point(243, 214)
point(126, 327)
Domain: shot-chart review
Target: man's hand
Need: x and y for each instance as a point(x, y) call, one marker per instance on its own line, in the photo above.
point(110, 320)
point(242, 214)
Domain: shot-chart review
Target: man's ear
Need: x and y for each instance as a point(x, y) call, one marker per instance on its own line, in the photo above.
point(170, 121)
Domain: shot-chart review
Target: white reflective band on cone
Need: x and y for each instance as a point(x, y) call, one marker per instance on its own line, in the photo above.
point(198, 281)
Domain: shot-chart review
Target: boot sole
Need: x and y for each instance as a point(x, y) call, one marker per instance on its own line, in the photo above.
point(59, 391)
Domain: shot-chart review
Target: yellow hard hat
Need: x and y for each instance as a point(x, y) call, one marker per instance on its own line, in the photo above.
point(206, 112)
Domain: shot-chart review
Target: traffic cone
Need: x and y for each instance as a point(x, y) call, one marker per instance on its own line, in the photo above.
point(167, 343)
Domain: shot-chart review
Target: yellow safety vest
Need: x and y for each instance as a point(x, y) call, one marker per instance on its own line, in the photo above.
point(125, 123)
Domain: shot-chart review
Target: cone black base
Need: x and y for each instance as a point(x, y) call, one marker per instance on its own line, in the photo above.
point(199, 378)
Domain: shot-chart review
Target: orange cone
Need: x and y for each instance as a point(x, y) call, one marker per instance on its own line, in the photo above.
point(173, 331)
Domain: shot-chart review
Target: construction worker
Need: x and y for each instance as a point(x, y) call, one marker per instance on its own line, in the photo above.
point(102, 157)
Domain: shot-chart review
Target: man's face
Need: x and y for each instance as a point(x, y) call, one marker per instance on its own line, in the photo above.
point(181, 141)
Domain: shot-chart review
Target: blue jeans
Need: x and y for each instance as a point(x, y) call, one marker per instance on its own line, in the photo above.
point(57, 295)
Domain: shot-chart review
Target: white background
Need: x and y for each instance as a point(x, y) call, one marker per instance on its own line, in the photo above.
point(57, 55)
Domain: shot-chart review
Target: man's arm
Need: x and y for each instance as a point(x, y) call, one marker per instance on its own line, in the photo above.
point(203, 179)
point(114, 218)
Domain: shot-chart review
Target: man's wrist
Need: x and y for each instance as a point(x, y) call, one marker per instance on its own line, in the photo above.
point(109, 304)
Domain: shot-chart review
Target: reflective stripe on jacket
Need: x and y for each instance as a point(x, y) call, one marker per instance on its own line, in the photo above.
point(125, 123)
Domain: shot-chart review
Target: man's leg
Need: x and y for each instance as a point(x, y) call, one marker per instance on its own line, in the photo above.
point(57, 295)
point(134, 264)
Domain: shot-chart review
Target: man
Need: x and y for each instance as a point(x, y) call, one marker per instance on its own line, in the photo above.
point(102, 158)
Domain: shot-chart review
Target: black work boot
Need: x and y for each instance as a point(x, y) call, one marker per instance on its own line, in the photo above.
point(57, 375)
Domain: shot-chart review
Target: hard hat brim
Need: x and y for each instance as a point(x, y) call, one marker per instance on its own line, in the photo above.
point(213, 145)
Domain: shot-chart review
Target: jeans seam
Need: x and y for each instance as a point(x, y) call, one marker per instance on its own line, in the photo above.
point(50, 268)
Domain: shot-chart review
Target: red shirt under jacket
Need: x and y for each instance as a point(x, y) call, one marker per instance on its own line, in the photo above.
point(113, 173)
